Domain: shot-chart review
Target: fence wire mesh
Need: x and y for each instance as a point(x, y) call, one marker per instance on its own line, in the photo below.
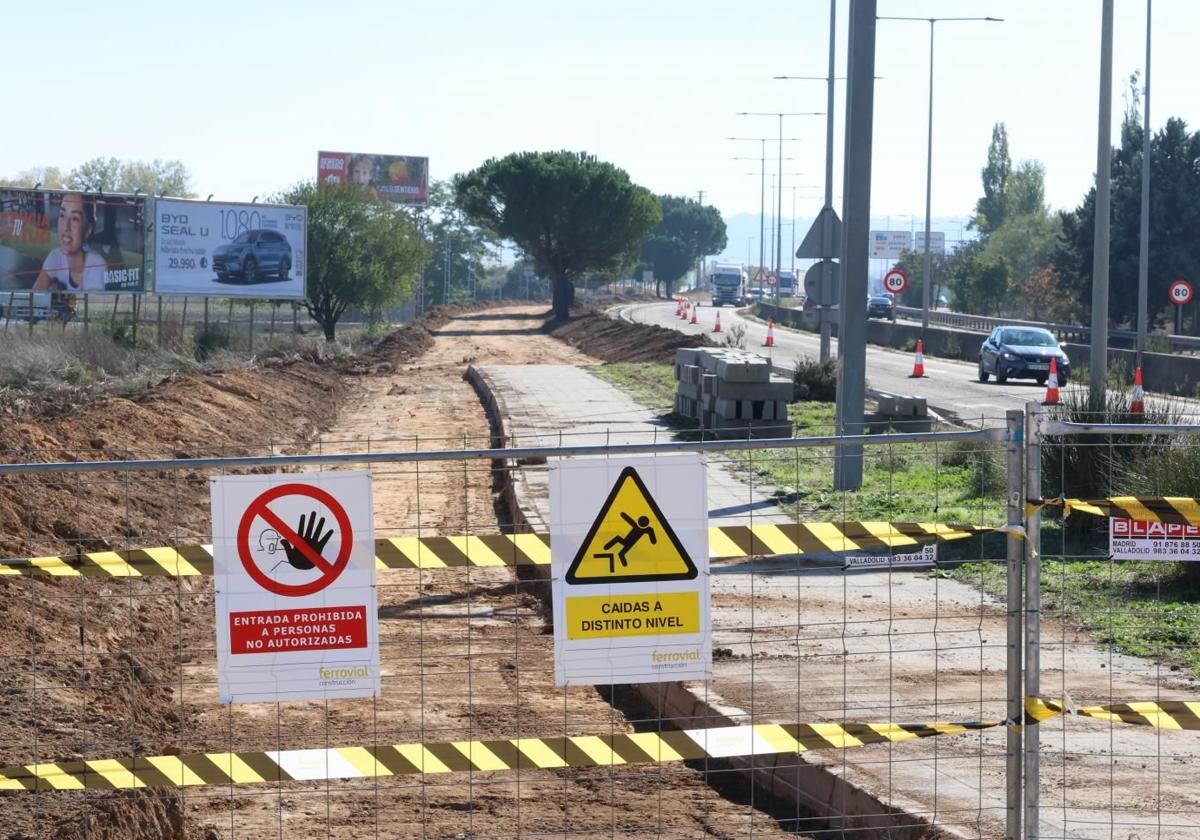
point(125, 667)
point(1116, 631)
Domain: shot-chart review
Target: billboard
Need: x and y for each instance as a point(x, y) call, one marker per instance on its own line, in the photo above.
point(397, 178)
point(54, 240)
point(890, 244)
point(212, 249)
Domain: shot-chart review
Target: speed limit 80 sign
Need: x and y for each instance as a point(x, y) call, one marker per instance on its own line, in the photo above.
point(1180, 292)
point(895, 281)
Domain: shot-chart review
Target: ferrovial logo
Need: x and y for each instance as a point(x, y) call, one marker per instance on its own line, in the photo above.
point(675, 658)
point(342, 676)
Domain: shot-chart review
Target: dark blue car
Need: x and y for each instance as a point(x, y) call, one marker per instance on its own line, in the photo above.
point(256, 256)
point(1022, 353)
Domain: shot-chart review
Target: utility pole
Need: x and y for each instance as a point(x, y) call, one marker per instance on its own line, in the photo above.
point(699, 257)
point(856, 232)
point(1144, 236)
point(1098, 360)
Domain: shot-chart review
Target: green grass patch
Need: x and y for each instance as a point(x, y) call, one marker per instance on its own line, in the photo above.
point(1138, 608)
point(649, 383)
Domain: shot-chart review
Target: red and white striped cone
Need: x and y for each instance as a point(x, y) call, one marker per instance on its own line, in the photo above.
point(678, 306)
point(683, 309)
point(770, 342)
point(1137, 405)
point(1052, 385)
point(694, 320)
point(717, 328)
point(919, 362)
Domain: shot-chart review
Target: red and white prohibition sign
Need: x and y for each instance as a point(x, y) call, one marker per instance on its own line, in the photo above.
point(895, 281)
point(329, 569)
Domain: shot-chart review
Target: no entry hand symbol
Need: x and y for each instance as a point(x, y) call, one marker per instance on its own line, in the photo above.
point(304, 546)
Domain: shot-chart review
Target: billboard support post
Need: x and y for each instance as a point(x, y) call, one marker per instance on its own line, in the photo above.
point(229, 321)
point(206, 313)
point(183, 323)
point(85, 314)
point(158, 325)
point(252, 326)
point(8, 310)
point(31, 318)
point(271, 334)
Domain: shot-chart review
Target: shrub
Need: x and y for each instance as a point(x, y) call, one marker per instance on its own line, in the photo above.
point(735, 337)
point(211, 338)
point(814, 380)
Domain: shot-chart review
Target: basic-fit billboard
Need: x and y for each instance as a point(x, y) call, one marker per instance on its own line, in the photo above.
point(75, 242)
point(212, 249)
point(398, 178)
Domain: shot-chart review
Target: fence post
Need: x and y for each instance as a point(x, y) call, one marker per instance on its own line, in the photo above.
point(1015, 425)
point(1033, 611)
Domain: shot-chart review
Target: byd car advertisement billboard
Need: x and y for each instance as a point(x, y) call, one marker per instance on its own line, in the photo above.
point(229, 250)
point(397, 178)
point(63, 241)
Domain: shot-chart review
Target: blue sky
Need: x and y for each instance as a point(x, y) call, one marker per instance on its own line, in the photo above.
point(246, 94)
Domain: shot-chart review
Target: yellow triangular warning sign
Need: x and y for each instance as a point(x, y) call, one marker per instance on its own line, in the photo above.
point(630, 541)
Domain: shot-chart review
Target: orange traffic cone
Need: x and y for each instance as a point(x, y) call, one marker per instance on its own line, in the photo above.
point(683, 309)
point(1052, 385)
point(770, 342)
point(694, 319)
point(678, 306)
point(717, 328)
point(1137, 405)
point(919, 362)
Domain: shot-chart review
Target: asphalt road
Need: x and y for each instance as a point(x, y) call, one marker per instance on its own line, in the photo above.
point(948, 386)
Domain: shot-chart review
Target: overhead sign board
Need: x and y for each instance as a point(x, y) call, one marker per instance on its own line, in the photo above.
point(63, 241)
point(1132, 539)
point(937, 242)
point(401, 179)
point(890, 244)
point(212, 249)
point(629, 554)
point(294, 568)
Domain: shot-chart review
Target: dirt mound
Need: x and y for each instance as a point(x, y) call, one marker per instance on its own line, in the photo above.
point(619, 341)
point(94, 667)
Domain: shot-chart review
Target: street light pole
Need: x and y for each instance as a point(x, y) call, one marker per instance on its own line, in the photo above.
point(762, 194)
point(926, 282)
point(779, 208)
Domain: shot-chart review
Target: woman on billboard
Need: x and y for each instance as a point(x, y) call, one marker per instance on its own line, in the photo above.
point(72, 266)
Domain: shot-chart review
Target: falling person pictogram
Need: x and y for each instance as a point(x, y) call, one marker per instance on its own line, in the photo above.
point(637, 530)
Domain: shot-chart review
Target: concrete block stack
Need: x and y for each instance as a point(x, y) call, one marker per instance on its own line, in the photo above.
point(732, 393)
point(900, 414)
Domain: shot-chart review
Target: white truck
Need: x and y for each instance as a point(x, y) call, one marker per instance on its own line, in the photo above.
point(787, 283)
point(728, 282)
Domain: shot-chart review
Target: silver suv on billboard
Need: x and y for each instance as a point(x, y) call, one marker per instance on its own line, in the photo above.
point(256, 256)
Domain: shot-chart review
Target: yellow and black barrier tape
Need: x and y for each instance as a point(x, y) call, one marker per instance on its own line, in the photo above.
point(1174, 510)
point(726, 542)
point(1160, 714)
point(361, 762)
point(551, 753)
